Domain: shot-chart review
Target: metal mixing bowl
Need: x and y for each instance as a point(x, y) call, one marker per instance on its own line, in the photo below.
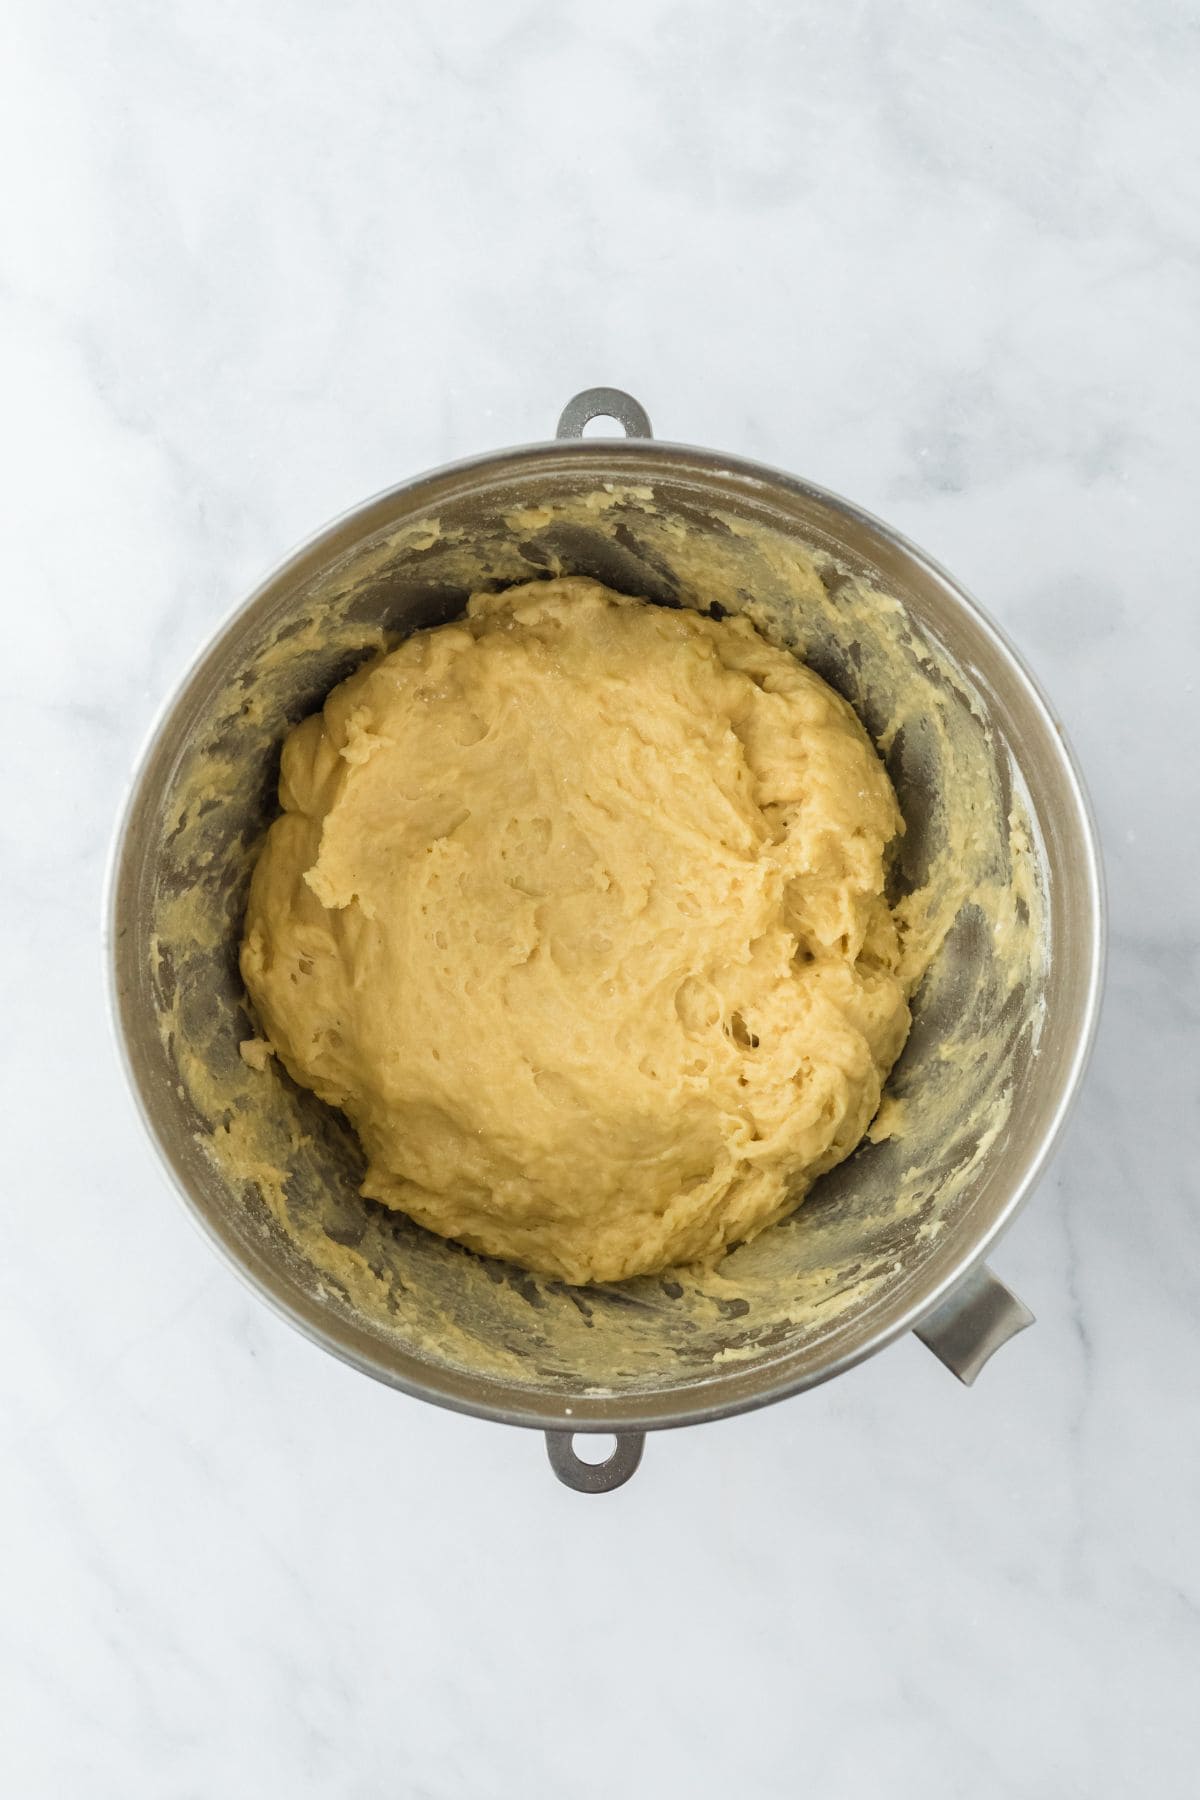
point(271, 1174)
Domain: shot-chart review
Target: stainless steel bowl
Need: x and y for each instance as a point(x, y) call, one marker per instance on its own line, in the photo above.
point(817, 1294)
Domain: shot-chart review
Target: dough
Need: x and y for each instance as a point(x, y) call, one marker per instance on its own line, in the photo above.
point(576, 909)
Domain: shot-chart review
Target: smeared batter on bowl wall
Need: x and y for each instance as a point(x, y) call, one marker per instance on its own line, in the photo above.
point(965, 890)
point(576, 910)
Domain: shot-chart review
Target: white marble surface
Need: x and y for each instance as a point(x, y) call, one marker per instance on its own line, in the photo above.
point(261, 259)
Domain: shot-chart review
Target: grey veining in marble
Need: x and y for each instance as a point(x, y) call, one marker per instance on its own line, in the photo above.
point(258, 260)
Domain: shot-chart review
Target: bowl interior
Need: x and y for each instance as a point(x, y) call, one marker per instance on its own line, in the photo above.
point(995, 832)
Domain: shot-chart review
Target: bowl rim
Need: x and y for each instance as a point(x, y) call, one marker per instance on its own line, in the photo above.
point(758, 1384)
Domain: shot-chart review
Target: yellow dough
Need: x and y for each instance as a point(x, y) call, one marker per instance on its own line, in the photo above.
point(576, 910)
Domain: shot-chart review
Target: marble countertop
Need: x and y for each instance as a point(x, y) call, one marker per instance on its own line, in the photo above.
point(260, 260)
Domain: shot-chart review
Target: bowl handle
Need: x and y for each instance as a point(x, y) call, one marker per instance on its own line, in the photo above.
point(604, 403)
point(979, 1316)
point(593, 1477)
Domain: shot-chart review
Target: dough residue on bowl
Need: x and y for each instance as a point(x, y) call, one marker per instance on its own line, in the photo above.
point(278, 1173)
point(576, 909)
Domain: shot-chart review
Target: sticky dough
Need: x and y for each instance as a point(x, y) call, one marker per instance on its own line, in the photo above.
point(576, 909)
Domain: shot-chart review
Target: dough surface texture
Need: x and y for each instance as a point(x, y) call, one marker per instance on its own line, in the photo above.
point(576, 909)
